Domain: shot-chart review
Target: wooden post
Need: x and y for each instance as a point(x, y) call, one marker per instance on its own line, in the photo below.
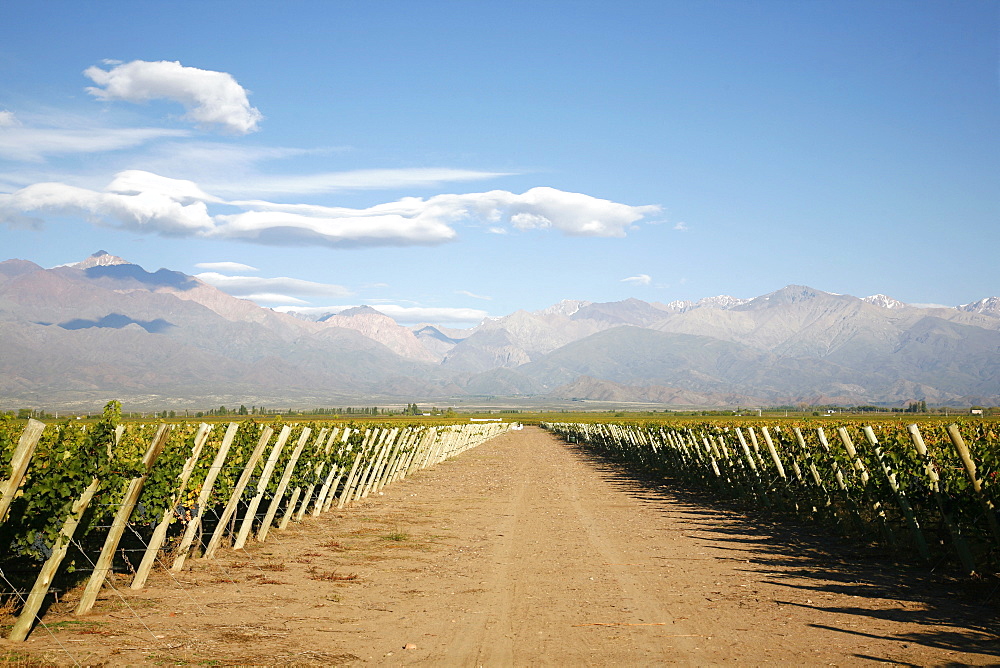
point(964, 554)
point(904, 504)
point(380, 464)
point(328, 490)
point(756, 447)
point(307, 494)
point(19, 464)
point(977, 486)
point(265, 477)
point(852, 506)
point(814, 472)
point(234, 498)
point(746, 449)
point(317, 472)
point(331, 484)
point(104, 562)
point(32, 604)
point(329, 487)
point(433, 435)
point(349, 483)
point(290, 510)
point(160, 532)
point(286, 476)
point(378, 449)
point(206, 491)
point(402, 457)
point(774, 453)
point(860, 467)
point(418, 440)
point(423, 444)
point(438, 451)
point(402, 451)
point(833, 462)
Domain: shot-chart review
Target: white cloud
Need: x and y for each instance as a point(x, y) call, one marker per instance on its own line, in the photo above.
point(136, 182)
point(470, 294)
point(292, 229)
point(225, 266)
point(8, 120)
point(32, 144)
point(641, 279)
point(211, 98)
point(311, 310)
point(404, 315)
point(361, 179)
point(246, 286)
point(574, 214)
point(530, 221)
point(147, 211)
point(681, 226)
point(142, 201)
point(219, 165)
point(272, 298)
point(415, 314)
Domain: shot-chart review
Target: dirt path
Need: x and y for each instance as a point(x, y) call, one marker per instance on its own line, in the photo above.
point(528, 551)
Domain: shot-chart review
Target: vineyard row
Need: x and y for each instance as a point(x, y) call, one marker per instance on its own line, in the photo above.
point(927, 490)
point(69, 493)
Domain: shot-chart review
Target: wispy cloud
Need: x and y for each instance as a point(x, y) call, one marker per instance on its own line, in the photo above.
point(470, 294)
point(404, 315)
point(360, 179)
point(219, 164)
point(251, 287)
point(8, 120)
point(211, 98)
point(641, 279)
point(574, 214)
point(225, 266)
point(32, 144)
point(681, 226)
point(142, 201)
point(416, 314)
point(272, 298)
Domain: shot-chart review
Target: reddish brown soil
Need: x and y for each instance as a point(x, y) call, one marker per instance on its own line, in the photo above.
point(527, 551)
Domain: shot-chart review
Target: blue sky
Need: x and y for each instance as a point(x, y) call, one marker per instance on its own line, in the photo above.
point(448, 160)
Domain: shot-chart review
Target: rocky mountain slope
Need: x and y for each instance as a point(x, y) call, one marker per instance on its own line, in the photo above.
point(72, 334)
point(105, 327)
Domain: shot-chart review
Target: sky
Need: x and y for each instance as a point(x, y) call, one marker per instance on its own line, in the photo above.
point(448, 161)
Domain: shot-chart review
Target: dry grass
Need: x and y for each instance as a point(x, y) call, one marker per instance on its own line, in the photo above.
point(272, 565)
point(8, 608)
point(331, 576)
point(334, 545)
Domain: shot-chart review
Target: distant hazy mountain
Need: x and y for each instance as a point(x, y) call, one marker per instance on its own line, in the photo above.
point(103, 327)
point(77, 334)
point(795, 344)
point(988, 306)
point(380, 327)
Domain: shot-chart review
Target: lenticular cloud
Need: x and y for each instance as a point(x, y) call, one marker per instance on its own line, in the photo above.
point(211, 98)
point(147, 202)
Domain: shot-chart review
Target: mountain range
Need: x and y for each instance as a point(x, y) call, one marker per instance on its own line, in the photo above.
point(79, 334)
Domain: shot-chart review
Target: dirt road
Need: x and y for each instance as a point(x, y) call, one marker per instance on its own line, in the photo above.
point(528, 551)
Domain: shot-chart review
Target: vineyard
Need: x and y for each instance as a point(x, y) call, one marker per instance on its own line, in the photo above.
point(932, 491)
point(82, 501)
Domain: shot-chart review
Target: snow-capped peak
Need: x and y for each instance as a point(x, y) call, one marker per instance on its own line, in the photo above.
point(883, 301)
